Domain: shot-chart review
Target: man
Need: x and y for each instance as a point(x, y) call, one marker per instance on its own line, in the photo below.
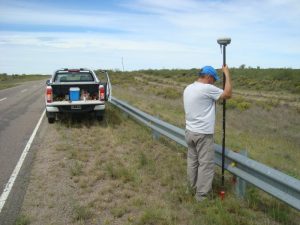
point(199, 100)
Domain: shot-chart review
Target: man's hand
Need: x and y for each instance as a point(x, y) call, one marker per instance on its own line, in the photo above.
point(225, 70)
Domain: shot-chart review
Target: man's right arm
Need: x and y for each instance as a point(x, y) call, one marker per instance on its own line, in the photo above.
point(228, 87)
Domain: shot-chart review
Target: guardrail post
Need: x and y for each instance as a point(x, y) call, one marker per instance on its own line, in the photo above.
point(155, 135)
point(240, 186)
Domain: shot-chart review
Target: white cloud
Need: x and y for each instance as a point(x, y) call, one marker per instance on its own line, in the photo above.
point(61, 17)
point(86, 41)
point(160, 7)
point(155, 33)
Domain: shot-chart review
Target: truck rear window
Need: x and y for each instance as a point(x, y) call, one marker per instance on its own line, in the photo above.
point(74, 77)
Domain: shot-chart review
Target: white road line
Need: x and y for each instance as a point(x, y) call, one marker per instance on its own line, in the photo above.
point(2, 99)
point(23, 90)
point(16, 171)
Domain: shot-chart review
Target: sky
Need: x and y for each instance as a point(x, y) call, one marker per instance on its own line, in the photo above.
point(40, 36)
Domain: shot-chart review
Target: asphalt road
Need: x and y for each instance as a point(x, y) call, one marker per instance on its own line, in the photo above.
point(20, 110)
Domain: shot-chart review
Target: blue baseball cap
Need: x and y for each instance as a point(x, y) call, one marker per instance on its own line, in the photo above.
point(209, 70)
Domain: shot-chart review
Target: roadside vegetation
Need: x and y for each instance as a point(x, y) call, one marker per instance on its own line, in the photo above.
point(256, 79)
point(113, 172)
point(265, 123)
point(7, 81)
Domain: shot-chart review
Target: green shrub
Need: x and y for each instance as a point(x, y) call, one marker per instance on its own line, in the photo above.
point(118, 171)
point(81, 213)
point(76, 168)
point(155, 216)
point(242, 106)
point(22, 220)
point(118, 211)
point(170, 93)
point(238, 103)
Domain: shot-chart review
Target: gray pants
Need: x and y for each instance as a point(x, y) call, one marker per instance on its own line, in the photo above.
point(200, 161)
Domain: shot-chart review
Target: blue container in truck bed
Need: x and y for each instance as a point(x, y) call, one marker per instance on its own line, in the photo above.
point(74, 94)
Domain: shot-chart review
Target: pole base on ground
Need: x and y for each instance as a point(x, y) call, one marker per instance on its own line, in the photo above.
point(222, 195)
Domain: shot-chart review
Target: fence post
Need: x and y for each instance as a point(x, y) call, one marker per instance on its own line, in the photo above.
point(240, 185)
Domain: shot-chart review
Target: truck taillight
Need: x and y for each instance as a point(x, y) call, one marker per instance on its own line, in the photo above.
point(49, 95)
point(101, 93)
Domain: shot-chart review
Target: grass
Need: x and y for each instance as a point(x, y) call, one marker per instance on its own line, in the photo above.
point(82, 213)
point(156, 216)
point(268, 129)
point(76, 169)
point(113, 172)
point(118, 212)
point(119, 171)
point(281, 79)
point(7, 81)
point(122, 176)
point(238, 103)
point(22, 220)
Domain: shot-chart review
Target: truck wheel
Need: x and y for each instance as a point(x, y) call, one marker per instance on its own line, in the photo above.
point(99, 117)
point(51, 120)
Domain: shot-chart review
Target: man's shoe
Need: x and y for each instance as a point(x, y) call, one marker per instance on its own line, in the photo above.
point(200, 198)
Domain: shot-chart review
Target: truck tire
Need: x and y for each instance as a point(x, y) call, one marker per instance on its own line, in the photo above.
point(50, 116)
point(51, 120)
point(99, 117)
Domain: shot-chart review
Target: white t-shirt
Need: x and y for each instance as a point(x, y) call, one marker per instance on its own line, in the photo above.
point(199, 106)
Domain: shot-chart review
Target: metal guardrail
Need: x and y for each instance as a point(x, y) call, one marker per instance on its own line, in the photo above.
point(274, 182)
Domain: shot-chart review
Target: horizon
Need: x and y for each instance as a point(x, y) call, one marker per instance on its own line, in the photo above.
point(148, 69)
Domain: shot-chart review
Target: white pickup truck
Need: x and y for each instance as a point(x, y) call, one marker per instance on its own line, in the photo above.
point(76, 91)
